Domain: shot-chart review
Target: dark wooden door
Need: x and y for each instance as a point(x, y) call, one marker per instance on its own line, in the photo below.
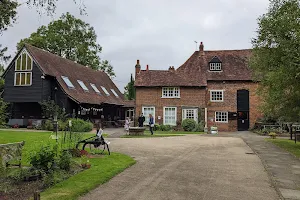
point(243, 110)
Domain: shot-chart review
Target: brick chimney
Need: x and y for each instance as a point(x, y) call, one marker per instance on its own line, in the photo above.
point(201, 49)
point(147, 67)
point(171, 68)
point(137, 68)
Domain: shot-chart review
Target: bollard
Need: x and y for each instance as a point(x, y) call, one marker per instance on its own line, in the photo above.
point(37, 196)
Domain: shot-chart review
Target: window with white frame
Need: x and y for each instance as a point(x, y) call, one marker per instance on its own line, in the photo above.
point(170, 92)
point(95, 88)
point(146, 111)
point(216, 95)
point(23, 70)
point(114, 92)
point(67, 82)
point(170, 115)
point(82, 85)
point(190, 113)
point(215, 66)
point(105, 90)
point(221, 116)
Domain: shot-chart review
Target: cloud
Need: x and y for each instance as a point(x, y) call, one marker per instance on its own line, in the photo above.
point(158, 32)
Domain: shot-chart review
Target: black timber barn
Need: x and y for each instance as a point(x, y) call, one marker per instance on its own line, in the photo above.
point(35, 75)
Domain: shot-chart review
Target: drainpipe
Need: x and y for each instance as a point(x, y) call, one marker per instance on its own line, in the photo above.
point(205, 114)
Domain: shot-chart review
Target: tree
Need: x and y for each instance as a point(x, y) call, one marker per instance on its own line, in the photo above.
point(130, 90)
point(70, 38)
point(276, 59)
point(8, 14)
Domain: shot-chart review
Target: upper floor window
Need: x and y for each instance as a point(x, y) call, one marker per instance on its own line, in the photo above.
point(216, 95)
point(81, 83)
point(114, 92)
point(95, 88)
point(68, 82)
point(105, 90)
point(221, 116)
point(23, 68)
point(170, 92)
point(215, 66)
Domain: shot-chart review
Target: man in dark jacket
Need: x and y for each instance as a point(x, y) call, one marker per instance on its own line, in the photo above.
point(141, 120)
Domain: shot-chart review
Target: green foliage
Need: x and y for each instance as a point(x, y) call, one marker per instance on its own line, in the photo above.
point(79, 125)
point(130, 90)
point(3, 113)
point(44, 159)
point(276, 59)
point(71, 38)
point(273, 135)
point(8, 10)
point(47, 125)
point(51, 109)
point(65, 160)
point(188, 125)
point(62, 125)
point(165, 127)
point(156, 127)
point(199, 127)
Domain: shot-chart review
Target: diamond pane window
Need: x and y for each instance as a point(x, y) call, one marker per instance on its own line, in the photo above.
point(67, 82)
point(114, 92)
point(83, 85)
point(95, 88)
point(105, 91)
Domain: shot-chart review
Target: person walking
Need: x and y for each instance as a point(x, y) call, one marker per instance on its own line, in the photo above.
point(141, 120)
point(126, 126)
point(151, 123)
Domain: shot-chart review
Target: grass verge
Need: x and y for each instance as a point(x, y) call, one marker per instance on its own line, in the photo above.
point(100, 172)
point(288, 145)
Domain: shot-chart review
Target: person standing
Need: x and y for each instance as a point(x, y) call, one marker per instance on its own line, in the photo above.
point(126, 126)
point(151, 123)
point(141, 120)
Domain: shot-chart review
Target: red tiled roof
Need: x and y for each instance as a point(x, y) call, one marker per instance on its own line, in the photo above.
point(195, 71)
point(57, 66)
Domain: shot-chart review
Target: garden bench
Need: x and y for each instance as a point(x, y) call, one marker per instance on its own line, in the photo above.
point(11, 152)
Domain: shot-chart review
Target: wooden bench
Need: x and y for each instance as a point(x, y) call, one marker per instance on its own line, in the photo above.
point(11, 152)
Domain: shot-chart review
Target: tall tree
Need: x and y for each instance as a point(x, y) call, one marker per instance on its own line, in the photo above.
point(276, 59)
point(70, 38)
point(130, 90)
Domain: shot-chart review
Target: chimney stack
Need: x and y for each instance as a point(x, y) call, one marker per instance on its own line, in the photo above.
point(201, 49)
point(147, 67)
point(137, 68)
point(171, 68)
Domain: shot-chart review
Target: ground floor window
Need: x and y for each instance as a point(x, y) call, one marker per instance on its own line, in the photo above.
point(221, 116)
point(170, 115)
point(146, 111)
point(191, 113)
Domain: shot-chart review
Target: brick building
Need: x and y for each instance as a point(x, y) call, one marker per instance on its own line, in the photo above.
point(213, 86)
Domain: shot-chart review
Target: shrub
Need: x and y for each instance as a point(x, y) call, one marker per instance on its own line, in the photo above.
point(79, 125)
point(165, 127)
point(273, 135)
point(188, 125)
point(47, 125)
point(44, 159)
point(62, 125)
point(156, 127)
point(199, 127)
point(65, 160)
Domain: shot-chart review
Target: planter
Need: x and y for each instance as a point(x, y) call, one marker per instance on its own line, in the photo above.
point(214, 130)
point(135, 131)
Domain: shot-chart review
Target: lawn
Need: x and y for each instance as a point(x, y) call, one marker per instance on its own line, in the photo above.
point(162, 134)
point(288, 145)
point(103, 167)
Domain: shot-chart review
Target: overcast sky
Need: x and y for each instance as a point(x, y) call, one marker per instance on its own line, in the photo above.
point(160, 33)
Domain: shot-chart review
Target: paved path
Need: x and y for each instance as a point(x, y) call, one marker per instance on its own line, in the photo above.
point(187, 167)
point(283, 167)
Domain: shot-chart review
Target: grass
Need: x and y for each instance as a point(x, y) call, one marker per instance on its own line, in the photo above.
point(161, 134)
point(288, 145)
point(102, 168)
point(100, 172)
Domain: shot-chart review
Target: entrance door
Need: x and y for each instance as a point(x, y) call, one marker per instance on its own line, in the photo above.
point(243, 109)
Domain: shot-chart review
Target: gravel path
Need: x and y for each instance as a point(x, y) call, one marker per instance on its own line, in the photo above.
point(187, 167)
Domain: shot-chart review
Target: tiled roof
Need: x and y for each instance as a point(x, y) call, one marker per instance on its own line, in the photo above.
point(195, 71)
point(57, 66)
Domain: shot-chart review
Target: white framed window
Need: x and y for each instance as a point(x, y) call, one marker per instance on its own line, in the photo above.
point(216, 95)
point(170, 116)
point(114, 92)
point(95, 88)
point(105, 91)
point(190, 113)
point(221, 116)
point(82, 85)
point(23, 78)
point(24, 62)
point(215, 66)
point(146, 111)
point(67, 82)
point(170, 92)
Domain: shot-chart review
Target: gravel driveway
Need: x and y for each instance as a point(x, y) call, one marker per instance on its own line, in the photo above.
point(187, 167)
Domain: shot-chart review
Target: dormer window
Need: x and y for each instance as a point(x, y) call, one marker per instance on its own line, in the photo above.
point(215, 66)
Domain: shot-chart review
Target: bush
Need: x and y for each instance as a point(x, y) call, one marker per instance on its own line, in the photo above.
point(199, 127)
point(165, 127)
point(188, 125)
point(65, 160)
point(273, 135)
point(79, 125)
point(47, 125)
point(44, 159)
point(62, 125)
point(156, 127)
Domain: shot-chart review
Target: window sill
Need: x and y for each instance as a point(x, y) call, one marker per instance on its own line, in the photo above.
point(170, 97)
point(215, 101)
point(22, 85)
point(222, 122)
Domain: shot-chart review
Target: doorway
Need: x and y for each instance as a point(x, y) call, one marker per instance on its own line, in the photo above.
point(243, 110)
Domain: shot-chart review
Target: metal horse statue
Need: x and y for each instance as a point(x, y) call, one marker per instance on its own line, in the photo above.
point(96, 140)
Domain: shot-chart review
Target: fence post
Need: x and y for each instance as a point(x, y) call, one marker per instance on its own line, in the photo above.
point(37, 196)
